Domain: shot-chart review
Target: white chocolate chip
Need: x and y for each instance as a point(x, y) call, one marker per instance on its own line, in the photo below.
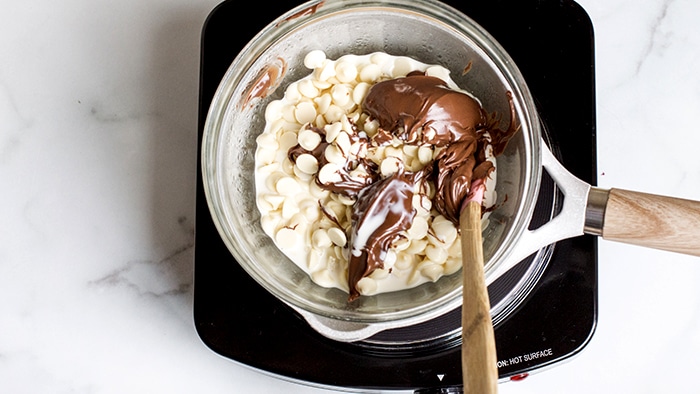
point(432, 271)
point(346, 125)
point(333, 113)
point(343, 142)
point(337, 236)
point(309, 139)
point(267, 140)
point(289, 208)
point(266, 157)
point(390, 166)
point(317, 192)
point(334, 155)
point(332, 130)
point(410, 150)
point(314, 59)
point(308, 89)
point(436, 254)
point(324, 278)
point(389, 259)
point(305, 112)
point(322, 85)
point(358, 149)
point(320, 239)
point(325, 71)
point(452, 265)
point(302, 176)
point(267, 169)
point(345, 71)
point(338, 250)
point(310, 209)
point(329, 174)
point(273, 111)
point(367, 286)
point(379, 274)
point(379, 58)
point(402, 66)
point(292, 93)
point(323, 102)
point(320, 121)
point(298, 222)
point(371, 127)
point(438, 72)
point(445, 231)
point(456, 248)
point(401, 244)
point(370, 73)
point(391, 151)
point(417, 246)
point(286, 238)
point(287, 186)
point(287, 140)
point(425, 154)
point(307, 163)
point(337, 208)
point(405, 260)
point(263, 205)
point(340, 95)
point(275, 200)
point(359, 92)
point(419, 228)
point(345, 200)
point(421, 204)
point(287, 165)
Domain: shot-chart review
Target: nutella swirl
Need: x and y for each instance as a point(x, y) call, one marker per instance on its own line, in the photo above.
point(418, 110)
point(421, 109)
point(382, 211)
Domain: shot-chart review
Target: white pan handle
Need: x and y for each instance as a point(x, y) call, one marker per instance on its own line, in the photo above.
point(570, 222)
point(631, 217)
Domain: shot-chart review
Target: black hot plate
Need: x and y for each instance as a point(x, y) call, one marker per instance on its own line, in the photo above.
point(551, 41)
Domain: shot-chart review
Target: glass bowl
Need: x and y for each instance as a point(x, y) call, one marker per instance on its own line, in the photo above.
point(428, 31)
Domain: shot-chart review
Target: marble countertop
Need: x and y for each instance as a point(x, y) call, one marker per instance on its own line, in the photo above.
point(98, 121)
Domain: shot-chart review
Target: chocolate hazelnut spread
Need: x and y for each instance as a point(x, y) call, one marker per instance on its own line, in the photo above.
point(417, 110)
point(383, 210)
point(421, 109)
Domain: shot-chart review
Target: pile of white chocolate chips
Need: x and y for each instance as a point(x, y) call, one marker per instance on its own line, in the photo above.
point(311, 223)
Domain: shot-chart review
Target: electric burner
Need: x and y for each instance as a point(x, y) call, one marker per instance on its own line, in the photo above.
point(551, 41)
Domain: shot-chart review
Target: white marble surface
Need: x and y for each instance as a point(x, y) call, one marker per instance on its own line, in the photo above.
point(98, 120)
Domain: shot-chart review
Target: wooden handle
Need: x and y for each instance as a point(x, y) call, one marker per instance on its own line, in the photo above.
point(479, 363)
point(658, 222)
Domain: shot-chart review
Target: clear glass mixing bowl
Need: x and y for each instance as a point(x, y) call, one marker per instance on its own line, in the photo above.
point(429, 31)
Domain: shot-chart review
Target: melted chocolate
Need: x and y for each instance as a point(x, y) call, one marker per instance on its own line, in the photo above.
point(418, 110)
point(382, 211)
point(347, 185)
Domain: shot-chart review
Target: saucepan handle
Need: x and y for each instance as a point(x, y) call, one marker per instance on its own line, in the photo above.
point(569, 223)
point(659, 222)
